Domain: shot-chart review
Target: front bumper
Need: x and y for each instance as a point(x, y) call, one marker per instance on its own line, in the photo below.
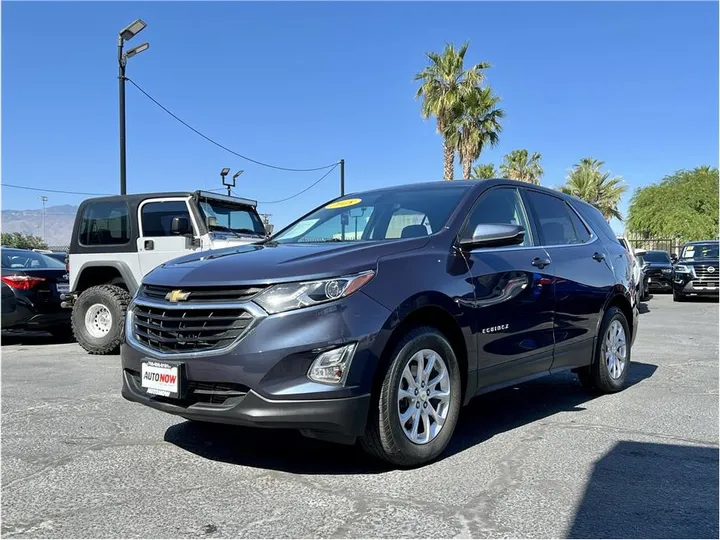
point(686, 284)
point(265, 372)
point(659, 282)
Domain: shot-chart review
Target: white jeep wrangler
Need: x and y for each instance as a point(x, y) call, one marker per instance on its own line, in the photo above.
point(117, 240)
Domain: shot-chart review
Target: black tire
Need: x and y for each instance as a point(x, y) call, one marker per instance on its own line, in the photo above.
point(116, 300)
point(384, 436)
point(61, 332)
point(597, 375)
point(678, 297)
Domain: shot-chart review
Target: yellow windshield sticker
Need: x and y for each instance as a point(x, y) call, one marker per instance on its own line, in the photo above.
point(343, 204)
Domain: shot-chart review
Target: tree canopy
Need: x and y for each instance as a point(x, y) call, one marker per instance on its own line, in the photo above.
point(523, 166)
point(586, 181)
point(21, 241)
point(683, 205)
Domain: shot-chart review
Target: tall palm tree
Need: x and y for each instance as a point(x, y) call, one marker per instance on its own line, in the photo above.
point(587, 182)
point(485, 170)
point(518, 165)
point(475, 126)
point(445, 84)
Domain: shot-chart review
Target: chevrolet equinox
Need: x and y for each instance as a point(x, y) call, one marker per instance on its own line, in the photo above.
point(376, 316)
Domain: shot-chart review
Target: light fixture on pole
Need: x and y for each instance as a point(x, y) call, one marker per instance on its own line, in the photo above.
point(126, 34)
point(229, 185)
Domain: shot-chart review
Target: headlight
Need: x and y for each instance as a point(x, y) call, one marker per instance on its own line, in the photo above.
point(682, 269)
point(289, 296)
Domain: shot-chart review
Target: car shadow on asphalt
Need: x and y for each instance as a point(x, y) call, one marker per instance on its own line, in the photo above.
point(13, 337)
point(650, 490)
point(485, 417)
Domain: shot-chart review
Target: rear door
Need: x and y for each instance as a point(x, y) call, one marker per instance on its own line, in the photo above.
point(157, 243)
point(514, 299)
point(584, 276)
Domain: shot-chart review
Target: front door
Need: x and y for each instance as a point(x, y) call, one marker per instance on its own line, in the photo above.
point(514, 297)
point(157, 243)
point(584, 277)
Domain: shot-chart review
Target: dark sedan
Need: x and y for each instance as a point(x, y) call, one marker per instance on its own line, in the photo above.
point(31, 287)
point(657, 271)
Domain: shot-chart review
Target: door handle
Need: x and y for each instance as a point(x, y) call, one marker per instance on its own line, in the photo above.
point(598, 256)
point(149, 245)
point(540, 263)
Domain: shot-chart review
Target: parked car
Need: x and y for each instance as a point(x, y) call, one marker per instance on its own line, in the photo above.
point(657, 270)
point(31, 286)
point(58, 256)
point(381, 329)
point(696, 271)
point(117, 240)
point(636, 270)
point(644, 285)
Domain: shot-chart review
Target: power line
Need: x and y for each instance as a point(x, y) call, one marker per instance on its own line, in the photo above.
point(304, 190)
point(55, 190)
point(220, 145)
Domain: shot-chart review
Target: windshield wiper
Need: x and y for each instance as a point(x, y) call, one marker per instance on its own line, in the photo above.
point(246, 231)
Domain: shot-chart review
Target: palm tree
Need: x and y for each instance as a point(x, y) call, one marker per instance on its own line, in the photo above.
point(587, 182)
point(476, 125)
point(517, 165)
point(445, 84)
point(485, 170)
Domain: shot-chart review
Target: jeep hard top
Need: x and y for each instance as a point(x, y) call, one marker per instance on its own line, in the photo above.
point(117, 240)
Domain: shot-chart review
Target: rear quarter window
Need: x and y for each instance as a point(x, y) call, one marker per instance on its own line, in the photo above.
point(596, 220)
point(104, 223)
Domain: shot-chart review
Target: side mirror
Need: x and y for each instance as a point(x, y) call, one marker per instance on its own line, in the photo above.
point(181, 226)
point(494, 235)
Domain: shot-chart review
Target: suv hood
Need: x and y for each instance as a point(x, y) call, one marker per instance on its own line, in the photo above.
point(649, 265)
point(275, 263)
point(694, 262)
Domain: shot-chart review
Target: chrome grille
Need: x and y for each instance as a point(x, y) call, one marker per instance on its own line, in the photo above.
point(175, 329)
point(203, 294)
point(705, 277)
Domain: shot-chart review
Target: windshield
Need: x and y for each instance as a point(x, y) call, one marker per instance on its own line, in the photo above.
point(229, 217)
point(656, 257)
point(28, 259)
point(700, 251)
point(377, 216)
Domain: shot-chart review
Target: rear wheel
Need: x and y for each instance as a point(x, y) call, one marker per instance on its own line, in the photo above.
point(415, 414)
point(609, 371)
point(98, 318)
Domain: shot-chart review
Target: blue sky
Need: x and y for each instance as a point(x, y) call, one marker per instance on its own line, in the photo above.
point(303, 85)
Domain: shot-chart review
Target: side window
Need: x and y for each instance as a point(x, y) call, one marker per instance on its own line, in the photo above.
point(157, 217)
point(581, 230)
point(500, 205)
point(104, 223)
point(408, 224)
point(555, 220)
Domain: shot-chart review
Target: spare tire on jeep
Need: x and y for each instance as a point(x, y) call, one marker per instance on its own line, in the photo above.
point(98, 318)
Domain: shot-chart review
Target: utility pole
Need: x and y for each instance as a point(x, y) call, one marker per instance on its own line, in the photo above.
point(44, 199)
point(342, 177)
point(267, 224)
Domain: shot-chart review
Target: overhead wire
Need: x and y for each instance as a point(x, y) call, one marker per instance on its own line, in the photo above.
point(4, 184)
point(304, 190)
point(263, 164)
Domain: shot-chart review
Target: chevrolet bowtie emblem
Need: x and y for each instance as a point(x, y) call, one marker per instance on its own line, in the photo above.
point(177, 296)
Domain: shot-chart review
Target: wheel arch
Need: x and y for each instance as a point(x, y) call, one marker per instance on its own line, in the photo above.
point(437, 314)
point(105, 272)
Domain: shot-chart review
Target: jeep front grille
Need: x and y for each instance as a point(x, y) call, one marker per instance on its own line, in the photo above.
point(203, 294)
point(175, 330)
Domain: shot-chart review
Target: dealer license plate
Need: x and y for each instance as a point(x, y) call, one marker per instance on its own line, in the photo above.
point(161, 378)
point(63, 287)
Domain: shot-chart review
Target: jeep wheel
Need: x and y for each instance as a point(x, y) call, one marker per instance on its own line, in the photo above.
point(98, 318)
point(413, 418)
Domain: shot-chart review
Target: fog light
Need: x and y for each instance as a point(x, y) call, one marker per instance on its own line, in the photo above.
point(332, 367)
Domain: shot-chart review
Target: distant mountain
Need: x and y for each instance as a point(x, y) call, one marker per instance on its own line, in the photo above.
point(59, 222)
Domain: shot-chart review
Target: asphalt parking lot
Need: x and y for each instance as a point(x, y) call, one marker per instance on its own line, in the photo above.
point(545, 459)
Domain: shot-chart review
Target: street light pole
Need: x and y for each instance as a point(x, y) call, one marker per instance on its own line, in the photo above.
point(121, 99)
point(342, 177)
point(126, 34)
point(44, 199)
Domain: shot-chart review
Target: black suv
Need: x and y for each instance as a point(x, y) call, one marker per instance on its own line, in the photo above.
point(657, 271)
point(696, 272)
point(378, 315)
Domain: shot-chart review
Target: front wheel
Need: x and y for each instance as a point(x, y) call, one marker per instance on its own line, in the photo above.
point(609, 371)
point(415, 414)
point(98, 318)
